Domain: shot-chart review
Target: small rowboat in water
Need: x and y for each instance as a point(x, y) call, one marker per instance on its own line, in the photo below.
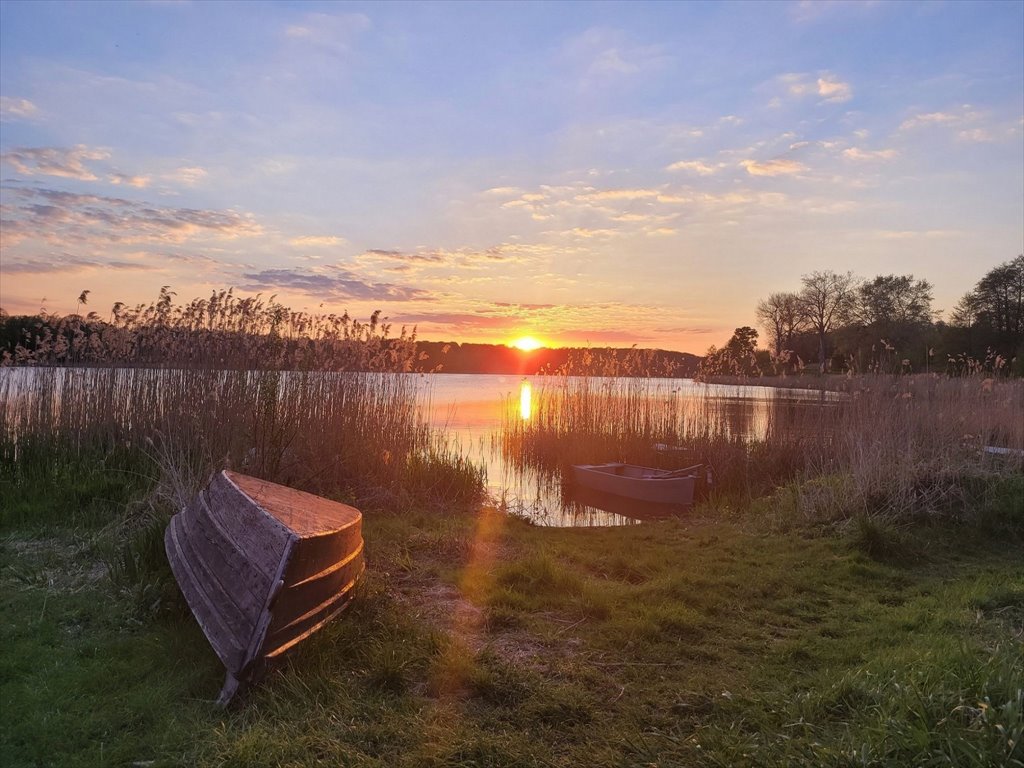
point(642, 483)
point(262, 567)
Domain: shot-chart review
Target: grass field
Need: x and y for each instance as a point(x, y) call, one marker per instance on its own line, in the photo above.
point(725, 639)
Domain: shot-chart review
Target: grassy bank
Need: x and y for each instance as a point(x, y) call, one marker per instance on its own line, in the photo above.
point(480, 640)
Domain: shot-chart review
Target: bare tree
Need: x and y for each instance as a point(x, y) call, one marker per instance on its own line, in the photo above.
point(780, 316)
point(826, 299)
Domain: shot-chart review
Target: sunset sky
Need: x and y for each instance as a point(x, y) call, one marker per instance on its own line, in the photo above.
point(603, 173)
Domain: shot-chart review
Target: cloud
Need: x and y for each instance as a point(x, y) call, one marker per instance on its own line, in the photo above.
point(976, 135)
point(602, 54)
point(139, 182)
point(777, 167)
point(55, 161)
point(503, 191)
point(617, 194)
point(696, 329)
point(929, 118)
point(826, 85)
point(68, 263)
point(855, 153)
point(17, 109)
point(697, 166)
point(458, 259)
point(330, 284)
point(61, 218)
point(318, 241)
point(189, 176)
point(588, 234)
point(834, 91)
point(458, 321)
point(908, 234)
point(330, 33)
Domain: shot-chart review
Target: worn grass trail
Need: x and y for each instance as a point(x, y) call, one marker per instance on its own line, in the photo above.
point(480, 640)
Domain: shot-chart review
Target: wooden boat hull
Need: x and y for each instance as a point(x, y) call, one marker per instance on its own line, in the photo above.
point(641, 483)
point(262, 567)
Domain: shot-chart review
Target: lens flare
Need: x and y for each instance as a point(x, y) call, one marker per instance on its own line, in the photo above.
point(525, 400)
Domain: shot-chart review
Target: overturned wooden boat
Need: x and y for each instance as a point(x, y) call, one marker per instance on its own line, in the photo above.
point(262, 567)
point(631, 481)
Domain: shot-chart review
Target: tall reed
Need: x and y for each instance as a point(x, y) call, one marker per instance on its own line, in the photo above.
point(323, 403)
point(891, 445)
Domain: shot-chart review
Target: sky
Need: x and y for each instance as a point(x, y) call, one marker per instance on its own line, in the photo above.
point(604, 174)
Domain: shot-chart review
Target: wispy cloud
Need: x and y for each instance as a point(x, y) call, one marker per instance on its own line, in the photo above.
point(965, 123)
point(780, 166)
point(697, 166)
point(856, 153)
point(317, 241)
point(64, 263)
point(60, 218)
point(190, 176)
point(139, 182)
point(332, 33)
point(915, 234)
point(619, 194)
point(602, 54)
point(55, 161)
point(827, 86)
point(17, 109)
point(330, 284)
point(930, 118)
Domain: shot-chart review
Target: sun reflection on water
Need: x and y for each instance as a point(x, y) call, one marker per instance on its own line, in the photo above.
point(525, 400)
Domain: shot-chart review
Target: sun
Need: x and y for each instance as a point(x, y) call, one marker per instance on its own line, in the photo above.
point(526, 343)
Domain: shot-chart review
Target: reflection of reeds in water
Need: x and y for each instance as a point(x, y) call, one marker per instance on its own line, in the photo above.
point(898, 442)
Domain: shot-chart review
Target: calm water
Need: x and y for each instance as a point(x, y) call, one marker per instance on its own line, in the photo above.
point(469, 409)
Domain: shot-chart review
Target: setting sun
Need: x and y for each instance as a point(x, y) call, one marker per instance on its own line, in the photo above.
point(526, 343)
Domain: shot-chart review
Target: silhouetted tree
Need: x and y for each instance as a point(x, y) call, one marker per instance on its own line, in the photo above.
point(780, 316)
point(826, 300)
point(992, 314)
point(893, 314)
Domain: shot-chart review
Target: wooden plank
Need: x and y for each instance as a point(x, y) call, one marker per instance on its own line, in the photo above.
point(314, 554)
point(296, 600)
point(303, 513)
point(260, 536)
point(298, 630)
point(205, 613)
point(237, 609)
point(215, 544)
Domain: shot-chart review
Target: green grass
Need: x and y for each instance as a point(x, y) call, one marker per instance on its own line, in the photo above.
point(479, 640)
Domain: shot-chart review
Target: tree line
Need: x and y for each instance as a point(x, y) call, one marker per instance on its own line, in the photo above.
point(886, 324)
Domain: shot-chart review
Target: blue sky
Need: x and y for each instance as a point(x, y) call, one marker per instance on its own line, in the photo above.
point(611, 173)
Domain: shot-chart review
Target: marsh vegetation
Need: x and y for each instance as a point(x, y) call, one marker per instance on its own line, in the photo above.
point(852, 594)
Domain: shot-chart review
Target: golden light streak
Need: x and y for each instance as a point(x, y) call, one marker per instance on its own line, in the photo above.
point(525, 400)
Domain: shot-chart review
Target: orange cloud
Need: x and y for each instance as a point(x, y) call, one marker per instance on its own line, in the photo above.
point(55, 161)
point(778, 167)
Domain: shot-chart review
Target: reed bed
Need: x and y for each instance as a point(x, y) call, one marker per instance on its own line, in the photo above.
point(322, 403)
point(880, 445)
point(351, 433)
